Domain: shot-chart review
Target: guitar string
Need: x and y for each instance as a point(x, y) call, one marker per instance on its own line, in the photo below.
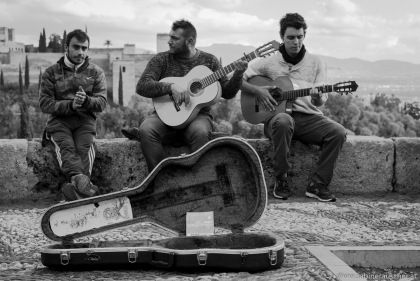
point(210, 79)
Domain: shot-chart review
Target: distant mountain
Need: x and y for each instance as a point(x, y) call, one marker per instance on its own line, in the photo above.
point(228, 52)
point(382, 67)
point(143, 51)
point(385, 76)
point(231, 52)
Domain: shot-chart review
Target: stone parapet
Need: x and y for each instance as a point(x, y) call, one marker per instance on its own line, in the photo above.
point(366, 165)
point(407, 164)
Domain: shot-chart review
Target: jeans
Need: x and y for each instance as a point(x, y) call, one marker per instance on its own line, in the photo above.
point(153, 132)
point(310, 129)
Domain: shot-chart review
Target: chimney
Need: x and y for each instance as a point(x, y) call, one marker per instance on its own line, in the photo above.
point(162, 42)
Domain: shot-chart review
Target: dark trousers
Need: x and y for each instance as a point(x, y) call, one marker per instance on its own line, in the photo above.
point(310, 129)
point(154, 133)
point(73, 139)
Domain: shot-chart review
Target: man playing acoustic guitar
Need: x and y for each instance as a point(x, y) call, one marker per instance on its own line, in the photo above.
point(177, 62)
point(306, 122)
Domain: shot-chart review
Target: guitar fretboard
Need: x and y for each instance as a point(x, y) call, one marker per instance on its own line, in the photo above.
point(292, 94)
point(208, 80)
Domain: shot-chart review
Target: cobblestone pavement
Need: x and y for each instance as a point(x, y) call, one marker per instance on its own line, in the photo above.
point(388, 219)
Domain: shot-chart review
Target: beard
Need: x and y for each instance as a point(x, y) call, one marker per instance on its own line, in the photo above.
point(181, 50)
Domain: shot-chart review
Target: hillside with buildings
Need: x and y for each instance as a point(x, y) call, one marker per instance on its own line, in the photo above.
point(111, 60)
point(389, 77)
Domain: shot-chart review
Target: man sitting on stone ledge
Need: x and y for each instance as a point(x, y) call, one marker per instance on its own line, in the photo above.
point(306, 123)
point(72, 91)
point(181, 58)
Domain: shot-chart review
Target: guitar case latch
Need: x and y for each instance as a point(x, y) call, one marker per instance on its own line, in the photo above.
point(202, 258)
point(65, 257)
point(132, 255)
point(272, 255)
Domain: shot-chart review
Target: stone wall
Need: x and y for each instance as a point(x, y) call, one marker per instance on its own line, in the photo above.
point(366, 165)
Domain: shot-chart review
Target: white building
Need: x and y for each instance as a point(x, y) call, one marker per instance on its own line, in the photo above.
point(7, 41)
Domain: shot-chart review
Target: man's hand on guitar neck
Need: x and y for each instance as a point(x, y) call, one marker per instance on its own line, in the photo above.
point(180, 95)
point(240, 67)
point(317, 98)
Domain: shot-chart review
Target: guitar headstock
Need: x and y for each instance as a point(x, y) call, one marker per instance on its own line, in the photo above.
point(345, 87)
point(267, 49)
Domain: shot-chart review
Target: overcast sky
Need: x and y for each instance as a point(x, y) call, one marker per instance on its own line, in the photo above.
point(368, 29)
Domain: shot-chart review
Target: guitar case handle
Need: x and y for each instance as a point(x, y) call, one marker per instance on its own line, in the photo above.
point(162, 264)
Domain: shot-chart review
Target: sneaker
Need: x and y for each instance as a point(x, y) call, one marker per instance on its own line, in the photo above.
point(131, 133)
point(320, 192)
point(281, 189)
point(69, 192)
point(84, 186)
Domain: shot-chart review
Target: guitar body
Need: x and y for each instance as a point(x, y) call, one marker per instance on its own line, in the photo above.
point(248, 100)
point(207, 96)
point(232, 187)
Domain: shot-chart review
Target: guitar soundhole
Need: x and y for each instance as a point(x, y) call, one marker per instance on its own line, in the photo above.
point(196, 87)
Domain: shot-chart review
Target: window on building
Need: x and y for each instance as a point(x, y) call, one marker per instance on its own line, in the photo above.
point(123, 68)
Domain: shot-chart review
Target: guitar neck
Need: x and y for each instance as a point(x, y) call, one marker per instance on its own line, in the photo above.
point(279, 95)
point(208, 80)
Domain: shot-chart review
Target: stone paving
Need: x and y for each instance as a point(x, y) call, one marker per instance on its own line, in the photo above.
point(387, 219)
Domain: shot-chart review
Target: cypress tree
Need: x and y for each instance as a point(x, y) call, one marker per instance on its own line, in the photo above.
point(25, 131)
point(120, 90)
point(44, 41)
point(26, 73)
point(40, 43)
point(63, 43)
point(39, 79)
point(1, 79)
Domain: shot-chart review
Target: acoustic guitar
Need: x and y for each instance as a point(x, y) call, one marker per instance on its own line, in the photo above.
point(284, 94)
point(203, 87)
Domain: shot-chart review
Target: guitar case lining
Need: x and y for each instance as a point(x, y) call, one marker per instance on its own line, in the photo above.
point(225, 176)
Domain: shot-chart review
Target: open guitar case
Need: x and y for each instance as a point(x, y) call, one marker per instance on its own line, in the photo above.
point(224, 177)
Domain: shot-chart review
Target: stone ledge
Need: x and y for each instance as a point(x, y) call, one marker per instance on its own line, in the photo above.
point(366, 165)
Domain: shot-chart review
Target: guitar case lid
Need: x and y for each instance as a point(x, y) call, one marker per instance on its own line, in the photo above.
point(224, 176)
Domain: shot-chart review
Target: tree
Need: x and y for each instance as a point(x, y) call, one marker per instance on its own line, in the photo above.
point(43, 43)
point(107, 43)
point(26, 73)
point(120, 89)
point(1, 79)
point(42, 47)
point(25, 131)
point(40, 50)
point(55, 43)
point(63, 42)
point(412, 109)
point(39, 79)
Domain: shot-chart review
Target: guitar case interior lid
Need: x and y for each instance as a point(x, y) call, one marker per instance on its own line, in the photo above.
point(225, 176)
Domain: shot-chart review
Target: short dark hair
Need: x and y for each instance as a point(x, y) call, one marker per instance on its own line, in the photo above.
point(79, 34)
point(292, 20)
point(189, 29)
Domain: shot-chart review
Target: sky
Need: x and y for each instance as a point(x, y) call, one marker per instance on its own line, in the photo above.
point(371, 30)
